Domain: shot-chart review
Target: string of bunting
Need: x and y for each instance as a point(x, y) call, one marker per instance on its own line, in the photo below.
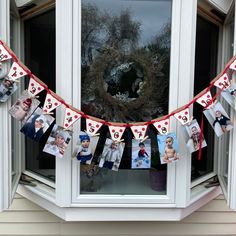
point(167, 142)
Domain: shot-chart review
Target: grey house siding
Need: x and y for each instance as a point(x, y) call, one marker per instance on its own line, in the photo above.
point(26, 218)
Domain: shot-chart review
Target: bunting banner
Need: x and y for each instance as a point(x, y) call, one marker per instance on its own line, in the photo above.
point(116, 132)
point(113, 149)
point(162, 126)
point(4, 54)
point(139, 131)
point(50, 103)
point(16, 71)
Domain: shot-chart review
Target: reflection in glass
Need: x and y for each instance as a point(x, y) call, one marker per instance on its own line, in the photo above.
point(125, 55)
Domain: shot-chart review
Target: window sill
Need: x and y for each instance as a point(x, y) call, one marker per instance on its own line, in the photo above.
point(114, 212)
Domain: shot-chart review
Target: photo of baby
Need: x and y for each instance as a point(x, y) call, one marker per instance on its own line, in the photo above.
point(229, 95)
point(57, 141)
point(7, 88)
point(112, 154)
point(37, 125)
point(218, 119)
point(191, 134)
point(168, 148)
point(141, 154)
point(86, 148)
point(24, 107)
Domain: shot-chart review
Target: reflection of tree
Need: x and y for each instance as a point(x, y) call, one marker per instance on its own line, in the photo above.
point(109, 48)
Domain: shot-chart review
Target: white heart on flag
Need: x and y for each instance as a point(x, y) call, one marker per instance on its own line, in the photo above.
point(205, 99)
point(34, 87)
point(116, 132)
point(4, 54)
point(163, 126)
point(92, 126)
point(223, 82)
point(183, 116)
point(139, 131)
point(16, 71)
point(71, 117)
point(50, 103)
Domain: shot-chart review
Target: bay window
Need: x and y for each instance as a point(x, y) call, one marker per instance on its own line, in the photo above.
point(121, 61)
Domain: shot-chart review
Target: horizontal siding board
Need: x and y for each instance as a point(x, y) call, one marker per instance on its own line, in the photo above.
point(23, 204)
point(28, 217)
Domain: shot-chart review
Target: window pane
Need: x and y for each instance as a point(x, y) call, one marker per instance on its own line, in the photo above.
point(205, 71)
point(125, 55)
point(40, 58)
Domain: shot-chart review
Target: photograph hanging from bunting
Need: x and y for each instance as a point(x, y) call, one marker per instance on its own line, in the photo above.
point(37, 125)
point(86, 148)
point(191, 135)
point(141, 154)
point(58, 141)
point(218, 119)
point(7, 88)
point(229, 95)
point(111, 155)
point(24, 107)
point(168, 148)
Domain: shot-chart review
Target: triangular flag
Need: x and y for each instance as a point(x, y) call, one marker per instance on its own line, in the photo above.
point(223, 82)
point(139, 131)
point(4, 54)
point(116, 132)
point(183, 116)
point(233, 65)
point(163, 126)
point(16, 71)
point(50, 103)
point(92, 126)
point(34, 87)
point(205, 99)
point(71, 117)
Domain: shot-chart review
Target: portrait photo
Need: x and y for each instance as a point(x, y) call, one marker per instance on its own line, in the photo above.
point(37, 125)
point(229, 95)
point(7, 88)
point(24, 107)
point(141, 154)
point(86, 147)
point(58, 141)
point(191, 135)
point(111, 155)
point(218, 119)
point(168, 148)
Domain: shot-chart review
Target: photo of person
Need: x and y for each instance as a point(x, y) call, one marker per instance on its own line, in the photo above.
point(86, 148)
point(168, 148)
point(218, 119)
point(192, 136)
point(58, 141)
point(37, 125)
point(229, 95)
point(141, 154)
point(112, 154)
point(24, 107)
point(7, 88)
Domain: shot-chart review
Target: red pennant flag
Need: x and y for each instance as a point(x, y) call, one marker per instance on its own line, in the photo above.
point(16, 71)
point(183, 116)
point(139, 131)
point(223, 82)
point(50, 103)
point(233, 65)
point(116, 132)
point(92, 126)
point(163, 126)
point(34, 87)
point(4, 54)
point(205, 99)
point(71, 116)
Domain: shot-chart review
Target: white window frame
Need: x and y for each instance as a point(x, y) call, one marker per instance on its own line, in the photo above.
point(65, 200)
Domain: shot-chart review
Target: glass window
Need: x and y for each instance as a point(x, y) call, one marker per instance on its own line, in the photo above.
point(40, 58)
point(205, 70)
point(125, 57)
